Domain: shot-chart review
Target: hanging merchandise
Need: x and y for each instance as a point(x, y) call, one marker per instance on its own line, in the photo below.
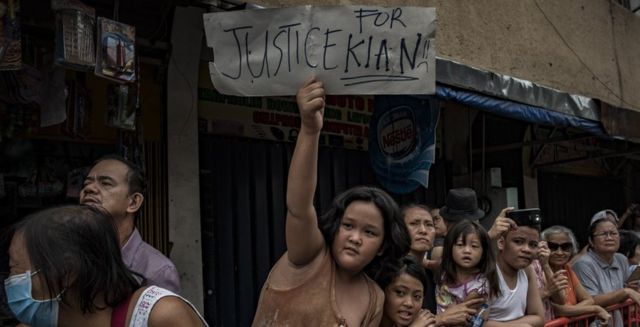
point(10, 40)
point(121, 111)
point(115, 51)
point(78, 123)
point(75, 26)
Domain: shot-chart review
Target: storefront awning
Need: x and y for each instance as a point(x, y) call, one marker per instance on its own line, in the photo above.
point(519, 111)
point(506, 87)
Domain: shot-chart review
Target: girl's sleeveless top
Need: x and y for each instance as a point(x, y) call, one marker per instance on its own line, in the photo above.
point(313, 302)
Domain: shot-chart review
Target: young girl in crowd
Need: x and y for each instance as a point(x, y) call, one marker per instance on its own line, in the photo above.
point(404, 283)
point(321, 280)
point(468, 266)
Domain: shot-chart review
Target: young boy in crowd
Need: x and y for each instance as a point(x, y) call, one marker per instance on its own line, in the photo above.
point(519, 303)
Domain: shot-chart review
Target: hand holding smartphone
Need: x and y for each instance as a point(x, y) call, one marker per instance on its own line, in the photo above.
point(526, 217)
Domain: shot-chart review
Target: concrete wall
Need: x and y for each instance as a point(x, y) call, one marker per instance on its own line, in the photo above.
point(586, 47)
point(182, 148)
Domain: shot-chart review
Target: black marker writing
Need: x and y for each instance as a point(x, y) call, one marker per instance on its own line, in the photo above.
point(235, 36)
point(327, 45)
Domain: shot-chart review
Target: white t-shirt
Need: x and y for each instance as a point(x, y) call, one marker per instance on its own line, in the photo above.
point(512, 303)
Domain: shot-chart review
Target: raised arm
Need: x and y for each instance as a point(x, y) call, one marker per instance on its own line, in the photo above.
point(501, 225)
point(626, 214)
point(555, 282)
point(304, 239)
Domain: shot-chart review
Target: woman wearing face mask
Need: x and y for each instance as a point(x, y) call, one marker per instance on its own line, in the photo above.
point(66, 269)
point(562, 245)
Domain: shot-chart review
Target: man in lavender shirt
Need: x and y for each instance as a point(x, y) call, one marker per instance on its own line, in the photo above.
point(118, 185)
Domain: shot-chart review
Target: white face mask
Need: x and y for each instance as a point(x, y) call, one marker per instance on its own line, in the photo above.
point(28, 310)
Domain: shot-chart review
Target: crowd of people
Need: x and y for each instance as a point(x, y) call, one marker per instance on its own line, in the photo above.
point(87, 265)
point(367, 262)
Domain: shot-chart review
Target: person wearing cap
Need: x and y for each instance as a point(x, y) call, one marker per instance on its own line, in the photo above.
point(460, 204)
point(602, 271)
point(602, 214)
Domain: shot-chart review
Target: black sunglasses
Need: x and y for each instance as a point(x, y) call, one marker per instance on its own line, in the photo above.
point(566, 247)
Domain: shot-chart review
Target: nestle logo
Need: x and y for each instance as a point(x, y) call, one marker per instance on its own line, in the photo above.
point(397, 132)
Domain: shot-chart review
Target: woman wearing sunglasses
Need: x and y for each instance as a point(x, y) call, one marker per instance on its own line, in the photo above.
point(562, 245)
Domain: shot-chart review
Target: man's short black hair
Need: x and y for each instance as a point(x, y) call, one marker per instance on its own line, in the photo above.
point(135, 177)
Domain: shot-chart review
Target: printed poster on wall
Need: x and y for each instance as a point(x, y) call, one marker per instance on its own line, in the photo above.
point(352, 49)
point(346, 122)
point(115, 50)
point(10, 35)
point(402, 141)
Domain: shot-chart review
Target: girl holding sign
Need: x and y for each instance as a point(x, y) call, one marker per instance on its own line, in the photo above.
point(321, 279)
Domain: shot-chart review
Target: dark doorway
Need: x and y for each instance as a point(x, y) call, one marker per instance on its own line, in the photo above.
point(242, 189)
point(571, 200)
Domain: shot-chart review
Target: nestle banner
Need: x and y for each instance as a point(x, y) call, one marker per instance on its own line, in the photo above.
point(402, 140)
point(352, 49)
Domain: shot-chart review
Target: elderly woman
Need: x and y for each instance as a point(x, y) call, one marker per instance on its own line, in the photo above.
point(602, 271)
point(562, 246)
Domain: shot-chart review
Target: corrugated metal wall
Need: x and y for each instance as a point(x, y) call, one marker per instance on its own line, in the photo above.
point(571, 200)
point(153, 221)
point(242, 185)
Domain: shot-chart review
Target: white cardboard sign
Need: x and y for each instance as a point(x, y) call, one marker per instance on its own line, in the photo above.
point(352, 49)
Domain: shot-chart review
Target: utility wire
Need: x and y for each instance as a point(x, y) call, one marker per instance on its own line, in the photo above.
point(579, 58)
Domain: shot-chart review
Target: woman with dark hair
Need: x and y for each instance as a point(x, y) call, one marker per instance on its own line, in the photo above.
point(404, 283)
point(422, 232)
point(321, 279)
point(66, 269)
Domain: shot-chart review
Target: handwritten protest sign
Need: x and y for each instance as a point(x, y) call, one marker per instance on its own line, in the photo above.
point(352, 49)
